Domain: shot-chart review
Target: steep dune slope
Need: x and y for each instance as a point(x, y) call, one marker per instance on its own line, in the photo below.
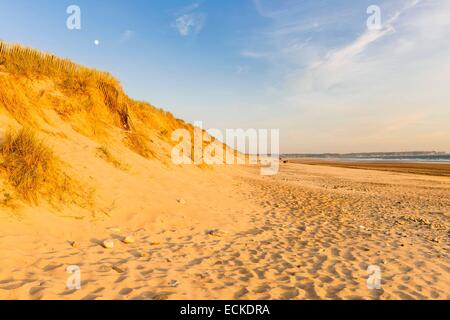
point(77, 153)
point(79, 159)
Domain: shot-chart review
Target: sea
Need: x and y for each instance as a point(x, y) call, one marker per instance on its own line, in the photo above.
point(434, 158)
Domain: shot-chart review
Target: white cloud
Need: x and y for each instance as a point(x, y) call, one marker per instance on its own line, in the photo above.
point(190, 23)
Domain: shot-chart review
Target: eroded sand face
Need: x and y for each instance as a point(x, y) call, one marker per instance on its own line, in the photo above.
point(307, 233)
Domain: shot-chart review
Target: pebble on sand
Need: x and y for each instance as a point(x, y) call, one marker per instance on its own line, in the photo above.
point(129, 240)
point(173, 283)
point(73, 244)
point(181, 201)
point(108, 244)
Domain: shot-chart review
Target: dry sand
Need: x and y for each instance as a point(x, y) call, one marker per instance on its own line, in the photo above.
point(310, 232)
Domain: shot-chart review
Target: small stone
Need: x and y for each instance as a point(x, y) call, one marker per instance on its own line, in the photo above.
point(436, 240)
point(181, 201)
point(108, 244)
point(173, 283)
point(74, 244)
point(115, 230)
point(128, 240)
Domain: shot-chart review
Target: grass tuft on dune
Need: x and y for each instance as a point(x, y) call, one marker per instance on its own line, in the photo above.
point(32, 168)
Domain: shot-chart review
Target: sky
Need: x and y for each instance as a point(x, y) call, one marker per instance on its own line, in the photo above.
point(311, 68)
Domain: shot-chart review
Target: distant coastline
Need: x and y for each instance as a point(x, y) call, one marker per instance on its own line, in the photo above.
point(414, 156)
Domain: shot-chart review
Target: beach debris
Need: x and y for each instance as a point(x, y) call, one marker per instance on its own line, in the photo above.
point(108, 244)
point(115, 230)
point(181, 201)
point(128, 240)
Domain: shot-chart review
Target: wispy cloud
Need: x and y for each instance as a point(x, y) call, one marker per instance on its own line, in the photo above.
point(342, 56)
point(188, 21)
point(371, 89)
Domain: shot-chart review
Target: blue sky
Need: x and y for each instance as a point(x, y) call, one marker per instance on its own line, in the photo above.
point(310, 68)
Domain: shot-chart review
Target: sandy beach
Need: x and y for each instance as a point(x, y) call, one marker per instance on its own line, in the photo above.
point(432, 169)
point(311, 232)
point(91, 189)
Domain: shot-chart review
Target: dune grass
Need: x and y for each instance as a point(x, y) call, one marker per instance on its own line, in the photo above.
point(91, 101)
point(31, 167)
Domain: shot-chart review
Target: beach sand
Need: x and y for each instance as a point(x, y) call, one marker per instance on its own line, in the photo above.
point(310, 232)
point(432, 169)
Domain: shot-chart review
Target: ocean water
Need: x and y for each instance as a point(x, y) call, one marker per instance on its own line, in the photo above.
point(429, 158)
point(437, 158)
